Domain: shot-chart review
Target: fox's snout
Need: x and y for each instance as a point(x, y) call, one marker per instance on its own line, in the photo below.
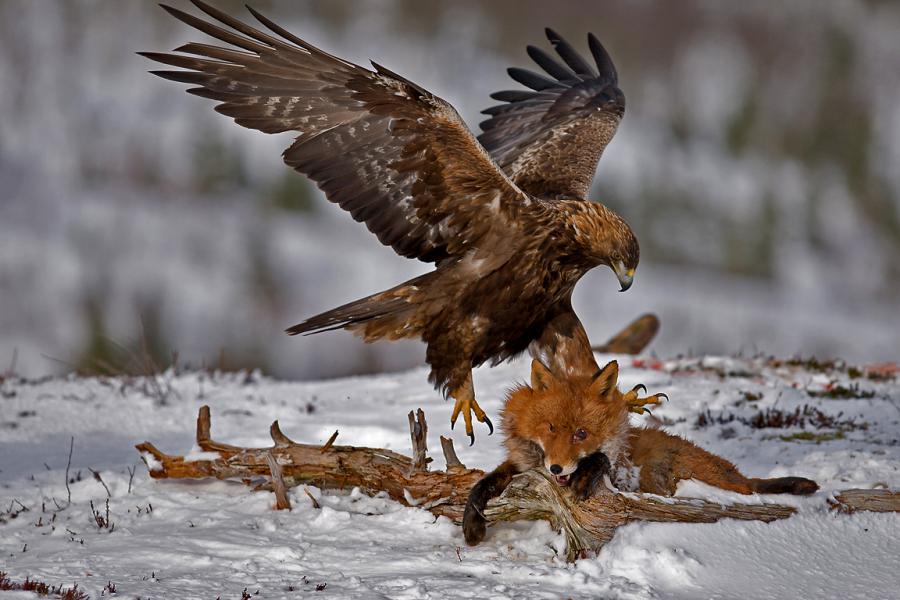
point(560, 472)
point(555, 468)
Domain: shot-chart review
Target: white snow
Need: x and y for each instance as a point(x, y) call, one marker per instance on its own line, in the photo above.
point(208, 539)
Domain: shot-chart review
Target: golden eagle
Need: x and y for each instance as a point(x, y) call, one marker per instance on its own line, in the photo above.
point(505, 221)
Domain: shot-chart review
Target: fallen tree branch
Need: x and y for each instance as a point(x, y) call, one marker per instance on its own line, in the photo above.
point(850, 501)
point(587, 524)
point(339, 467)
point(636, 336)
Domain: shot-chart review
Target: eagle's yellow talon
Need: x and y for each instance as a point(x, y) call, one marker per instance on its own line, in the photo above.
point(456, 408)
point(637, 404)
point(468, 407)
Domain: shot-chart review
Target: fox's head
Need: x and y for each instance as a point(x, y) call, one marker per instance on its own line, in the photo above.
point(567, 418)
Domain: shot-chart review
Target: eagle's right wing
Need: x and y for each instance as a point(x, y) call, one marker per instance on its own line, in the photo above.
point(548, 139)
point(392, 154)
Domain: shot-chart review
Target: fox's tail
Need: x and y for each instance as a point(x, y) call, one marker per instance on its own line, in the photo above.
point(380, 315)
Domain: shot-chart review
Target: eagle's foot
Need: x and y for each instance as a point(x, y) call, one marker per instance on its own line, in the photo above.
point(467, 405)
point(638, 404)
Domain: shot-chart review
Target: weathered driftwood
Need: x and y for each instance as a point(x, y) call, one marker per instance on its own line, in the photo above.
point(587, 524)
point(338, 467)
point(849, 501)
point(636, 336)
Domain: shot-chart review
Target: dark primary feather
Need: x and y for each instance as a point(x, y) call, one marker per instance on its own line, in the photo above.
point(531, 79)
point(549, 140)
point(604, 62)
point(568, 54)
point(548, 64)
point(386, 150)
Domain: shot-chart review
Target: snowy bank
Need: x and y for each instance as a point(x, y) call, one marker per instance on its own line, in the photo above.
point(835, 424)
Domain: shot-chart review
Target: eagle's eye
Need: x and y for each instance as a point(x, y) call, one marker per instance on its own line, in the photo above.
point(579, 435)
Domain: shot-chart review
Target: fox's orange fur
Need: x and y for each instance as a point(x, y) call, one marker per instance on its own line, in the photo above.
point(577, 429)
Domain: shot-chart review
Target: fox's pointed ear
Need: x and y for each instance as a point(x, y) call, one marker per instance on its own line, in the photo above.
point(541, 377)
point(605, 379)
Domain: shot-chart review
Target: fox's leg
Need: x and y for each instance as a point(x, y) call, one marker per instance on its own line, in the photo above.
point(490, 486)
point(636, 404)
point(667, 459)
point(464, 396)
point(588, 477)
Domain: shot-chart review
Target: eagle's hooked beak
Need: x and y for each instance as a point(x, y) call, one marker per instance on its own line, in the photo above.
point(626, 276)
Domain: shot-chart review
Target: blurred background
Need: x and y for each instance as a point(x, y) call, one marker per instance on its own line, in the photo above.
point(757, 162)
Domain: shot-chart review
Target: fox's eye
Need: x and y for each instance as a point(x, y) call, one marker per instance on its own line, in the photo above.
point(552, 428)
point(579, 435)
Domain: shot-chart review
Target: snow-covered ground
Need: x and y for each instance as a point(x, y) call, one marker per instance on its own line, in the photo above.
point(208, 539)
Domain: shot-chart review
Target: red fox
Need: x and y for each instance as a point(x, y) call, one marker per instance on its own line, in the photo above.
point(576, 428)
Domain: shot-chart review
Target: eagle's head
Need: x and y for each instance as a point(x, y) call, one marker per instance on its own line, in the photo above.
point(606, 239)
point(625, 255)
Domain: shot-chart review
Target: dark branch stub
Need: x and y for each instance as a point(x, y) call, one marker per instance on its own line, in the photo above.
point(453, 462)
point(418, 433)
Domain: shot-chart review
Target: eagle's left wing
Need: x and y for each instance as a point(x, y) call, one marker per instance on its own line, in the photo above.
point(393, 155)
point(548, 139)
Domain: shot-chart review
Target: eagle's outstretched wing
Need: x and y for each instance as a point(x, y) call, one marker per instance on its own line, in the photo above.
point(549, 140)
point(395, 156)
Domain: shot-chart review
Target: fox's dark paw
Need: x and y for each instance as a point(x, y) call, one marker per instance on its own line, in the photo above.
point(786, 485)
point(588, 477)
point(802, 486)
point(474, 525)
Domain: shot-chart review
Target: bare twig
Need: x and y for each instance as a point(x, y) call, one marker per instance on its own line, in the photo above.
point(315, 502)
point(69, 464)
point(102, 521)
point(103, 483)
point(131, 471)
point(330, 442)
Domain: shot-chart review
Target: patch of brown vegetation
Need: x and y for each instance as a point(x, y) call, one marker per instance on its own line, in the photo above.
point(42, 589)
point(776, 418)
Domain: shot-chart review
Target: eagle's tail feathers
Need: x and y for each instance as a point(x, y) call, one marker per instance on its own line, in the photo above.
point(371, 308)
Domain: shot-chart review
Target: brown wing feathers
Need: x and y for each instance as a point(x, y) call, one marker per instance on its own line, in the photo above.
point(548, 140)
point(393, 155)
